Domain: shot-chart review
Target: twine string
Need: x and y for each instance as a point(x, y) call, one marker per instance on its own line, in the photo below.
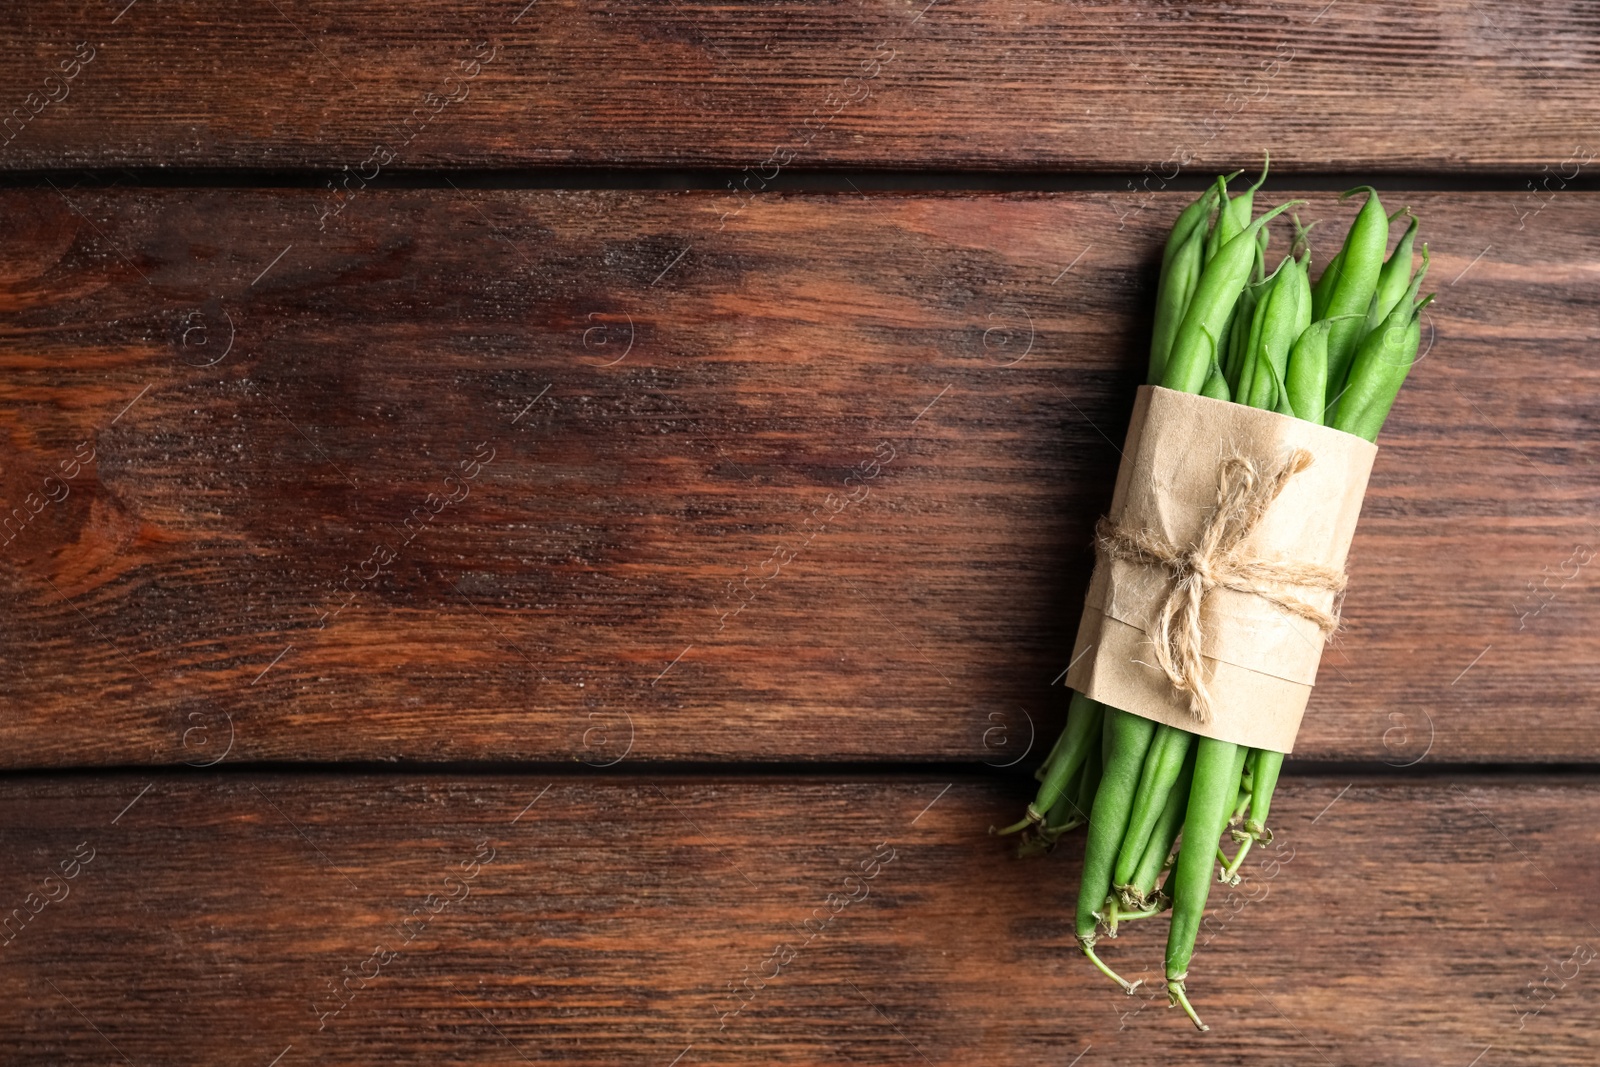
point(1244, 492)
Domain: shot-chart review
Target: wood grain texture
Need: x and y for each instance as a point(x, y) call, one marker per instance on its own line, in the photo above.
point(569, 475)
point(1405, 923)
point(1447, 85)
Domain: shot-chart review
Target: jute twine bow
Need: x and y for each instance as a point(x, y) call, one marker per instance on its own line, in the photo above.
point(1244, 491)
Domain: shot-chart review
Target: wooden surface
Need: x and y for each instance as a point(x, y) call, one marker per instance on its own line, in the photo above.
point(759, 520)
point(1397, 922)
point(1140, 87)
point(569, 476)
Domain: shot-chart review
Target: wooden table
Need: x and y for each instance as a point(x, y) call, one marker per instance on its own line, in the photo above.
point(450, 618)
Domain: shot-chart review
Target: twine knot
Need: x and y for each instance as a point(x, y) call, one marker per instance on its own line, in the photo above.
point(1195, 563)
point(1244, 492)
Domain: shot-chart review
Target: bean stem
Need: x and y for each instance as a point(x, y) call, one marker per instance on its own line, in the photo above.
point(1113, 801)
point(1218, 765)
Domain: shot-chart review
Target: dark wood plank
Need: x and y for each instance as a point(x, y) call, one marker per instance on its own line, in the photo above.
point(1132, 85)
point(261, 560)
point(1398, 922)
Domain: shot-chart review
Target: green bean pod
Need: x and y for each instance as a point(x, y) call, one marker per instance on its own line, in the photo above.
point(1057, 822)
point(1302, 321)
point(1255, 792)
point(1248, 339)
point(1241, 797)
point(1280, 393)
point(1216, 386)
point(1083, 728)
point(1106, 738)
point(1158, 850)
point(1057, 750)
point(1081, 733)
point(1194, 348)
point(1235, 214)
point(1236, 332)
point(1216, 784)
point(1088, 782)
point(1381, 365)
point(1391, 352)
point(1307, 378)
point(1239, 340)
point(1323, 290)
point(1360, 265)
point(1113, 802)
point(1393, 279)
point(1178, 281)
point(1221, 225)
point(1268, 766)
point(1162, 764)
point(1064, 815)
point(1303, 285)
point(1196, 218)
point(1278, 331)
point(1181, 261)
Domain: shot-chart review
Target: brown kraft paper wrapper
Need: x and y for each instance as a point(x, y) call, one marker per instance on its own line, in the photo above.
point(1260, 661)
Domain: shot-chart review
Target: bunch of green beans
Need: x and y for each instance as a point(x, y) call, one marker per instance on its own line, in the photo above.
point(1157, 799)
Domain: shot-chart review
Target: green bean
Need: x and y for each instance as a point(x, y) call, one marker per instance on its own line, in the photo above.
point(1194, 348)
point(1216, 783)
point(1060, 819)
point(1303, 287)
point(1239, 340)
point(1236, 334)
point(1302, 240)
point(1088, 783)
point(1082, 730)
point(1324, 287)
point(1178, 280)
point(1335, 352)
point(1239, 831)
point(1106, 740)
point(1307, 377)
point(1272, 336)
point(1396, 349)
point(1381, 365)
point(1162, 764)
point(1307, 380)
point(1241, 798)
point(1064, 816)
point(1058, 750)
point(1360, 266)
point(1393, 278)
point(1216, 386)
point(1130, 738)
point(1280, 393)
point(1196, 218)
point(1181, 261)
point(1158, 850)
point(1268, 766)
point(1234, 215)
point(1273, 396)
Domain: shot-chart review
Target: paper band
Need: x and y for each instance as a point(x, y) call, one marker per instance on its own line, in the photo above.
point(1259, 660)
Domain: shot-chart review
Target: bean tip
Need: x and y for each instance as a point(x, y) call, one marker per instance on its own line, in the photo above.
point(1369, 190)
